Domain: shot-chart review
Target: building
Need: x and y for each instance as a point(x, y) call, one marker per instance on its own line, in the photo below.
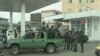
point(83, 15)
point(3, 24)
point(88, 24)
point(3, 21)
point(72, 6)
point(48, 13)
point(35, 19)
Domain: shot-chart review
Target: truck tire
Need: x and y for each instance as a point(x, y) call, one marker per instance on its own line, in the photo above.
point(50, 48)
point(15, 50)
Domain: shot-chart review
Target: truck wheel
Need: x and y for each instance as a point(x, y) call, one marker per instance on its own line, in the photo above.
point(50, 48)
point(15, 50)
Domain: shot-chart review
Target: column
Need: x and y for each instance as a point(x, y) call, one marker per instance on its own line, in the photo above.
point(10, 31)
point(99, 29)
point(23, 18)
point(86, 26)
point(11, 20)
point(70, 25)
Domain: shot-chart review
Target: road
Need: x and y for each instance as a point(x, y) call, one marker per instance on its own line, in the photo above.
point(89, 51)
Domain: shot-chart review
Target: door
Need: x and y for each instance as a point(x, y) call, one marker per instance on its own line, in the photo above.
point(39, 40)
point(28, 39)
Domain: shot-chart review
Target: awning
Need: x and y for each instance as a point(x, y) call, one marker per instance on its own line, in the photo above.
point(81, 15)
point(78, 15)
point(55, 17)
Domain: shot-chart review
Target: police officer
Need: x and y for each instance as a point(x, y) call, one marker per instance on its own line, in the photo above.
point(47, 27)
point(69, 40)
point(81, 40)
point(51, 32)
point(65, 39)
point(75, 41)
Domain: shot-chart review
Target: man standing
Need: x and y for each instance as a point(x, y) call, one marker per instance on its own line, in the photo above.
point(69, 40)
point(65, 40)
point(81, 40)
point(75, 42)
point(51, 32)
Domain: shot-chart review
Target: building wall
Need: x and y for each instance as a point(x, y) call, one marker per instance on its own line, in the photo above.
point(95, 32)
point(48, 13)
point(77, 6)
point(93, 28)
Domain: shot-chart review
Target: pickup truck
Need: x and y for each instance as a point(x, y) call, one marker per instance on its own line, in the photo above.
point(34, 40)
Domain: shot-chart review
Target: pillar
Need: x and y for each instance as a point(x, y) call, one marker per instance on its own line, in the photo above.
point(86, 27)
point(11, 20)
point(99, 30)
point(23, 18)
point(70, 25)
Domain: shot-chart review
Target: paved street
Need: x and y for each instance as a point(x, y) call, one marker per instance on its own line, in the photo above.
point(89, 51)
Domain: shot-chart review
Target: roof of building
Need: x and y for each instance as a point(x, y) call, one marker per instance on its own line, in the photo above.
point(46, 11)
point(31, 5)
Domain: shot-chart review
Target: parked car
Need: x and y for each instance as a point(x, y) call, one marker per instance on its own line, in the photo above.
point(97, 52)
point(34, 40)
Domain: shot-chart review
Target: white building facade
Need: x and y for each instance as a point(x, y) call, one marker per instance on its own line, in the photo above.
point(87, 21)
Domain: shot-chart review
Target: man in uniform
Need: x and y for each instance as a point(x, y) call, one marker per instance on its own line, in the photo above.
point(65, 39)
point(81, 40)
point(75, 38)
point(69, 40)
point(51, 32)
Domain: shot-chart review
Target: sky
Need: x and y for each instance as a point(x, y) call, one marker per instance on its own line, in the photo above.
point(17, 16)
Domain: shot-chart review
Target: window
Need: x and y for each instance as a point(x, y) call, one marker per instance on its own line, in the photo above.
point(69, 10)
point(80, 10)
point(29, 35)
point(87, 1)
point(83, 1)
point(80, 1)
point(70, 1)
point(39, 35)
point(92, 1)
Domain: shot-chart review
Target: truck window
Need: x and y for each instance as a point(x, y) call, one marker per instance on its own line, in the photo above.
point(40, 35)
point(30, 35)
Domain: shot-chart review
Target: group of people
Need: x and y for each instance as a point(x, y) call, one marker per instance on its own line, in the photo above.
point(53, 32)
point(72, 38)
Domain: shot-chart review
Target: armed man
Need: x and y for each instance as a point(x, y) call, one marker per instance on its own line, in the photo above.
point(81, 40)
point(75, 40)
